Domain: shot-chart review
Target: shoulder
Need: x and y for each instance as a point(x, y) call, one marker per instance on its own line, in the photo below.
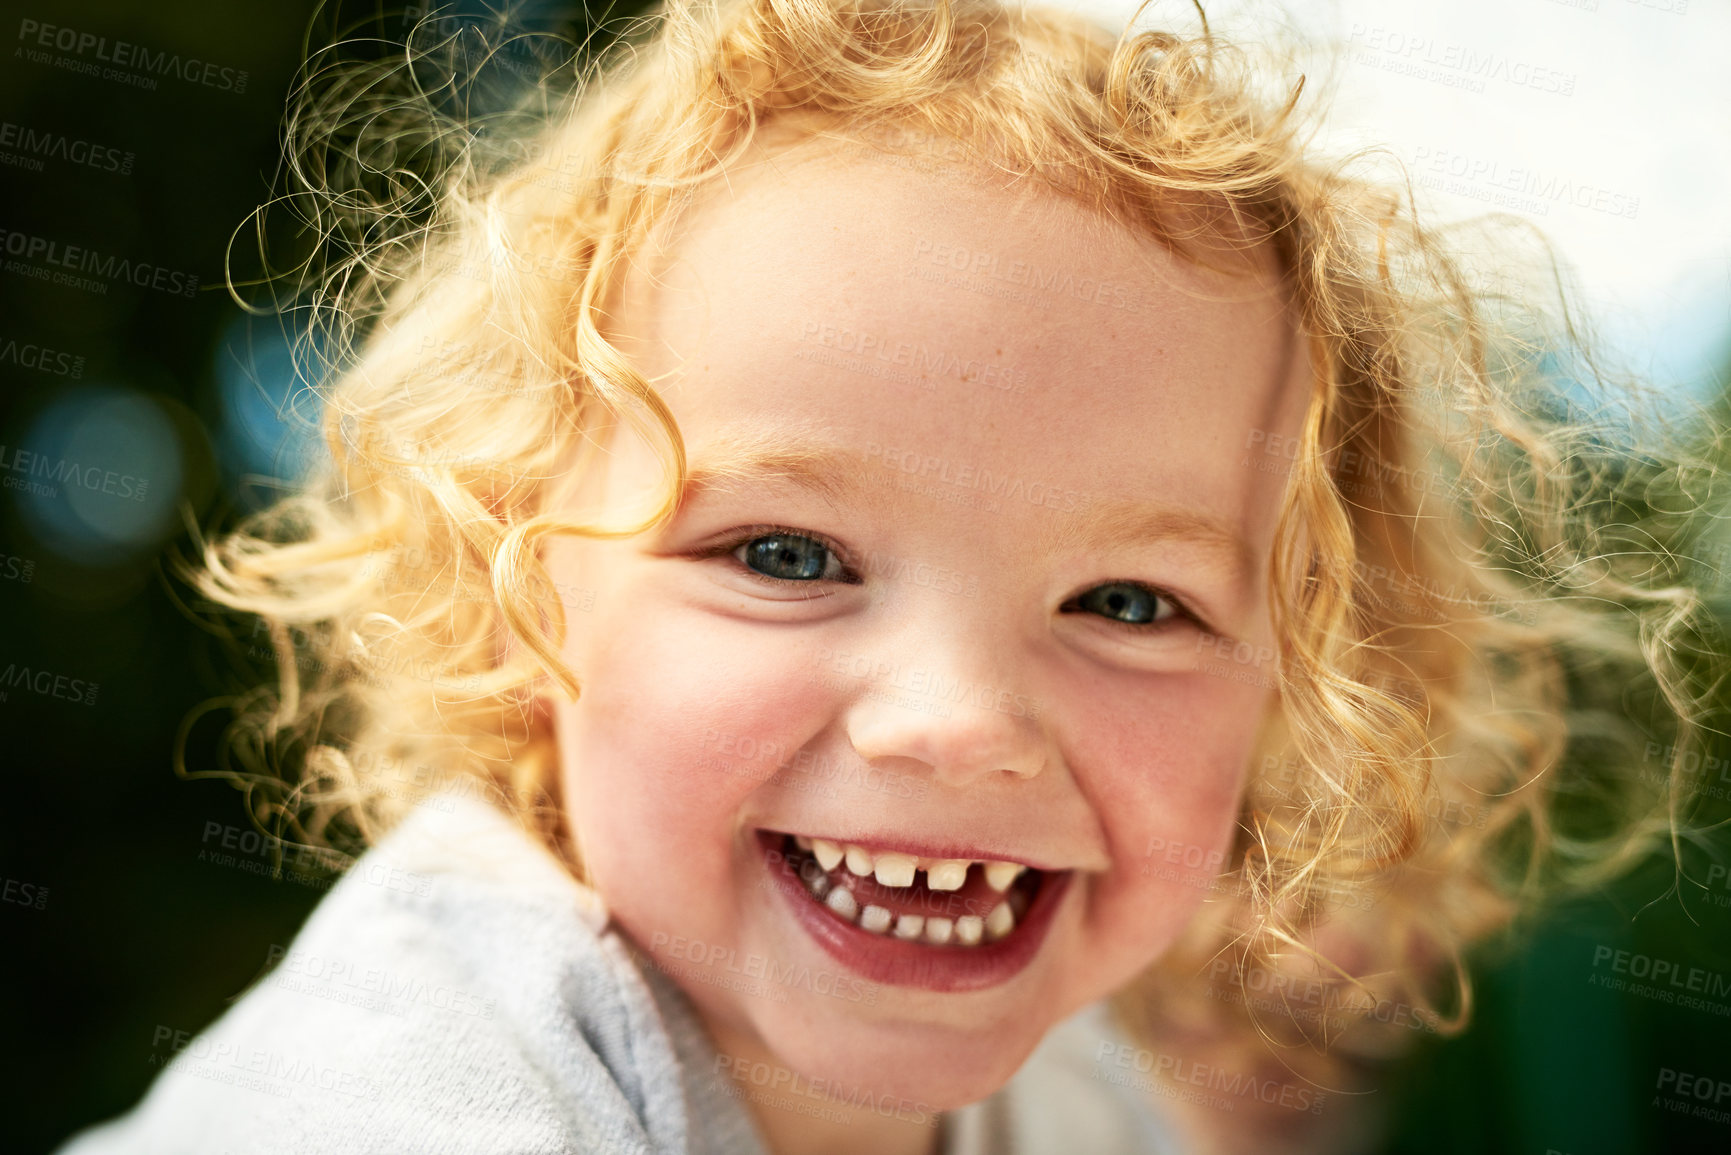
point(456, 991)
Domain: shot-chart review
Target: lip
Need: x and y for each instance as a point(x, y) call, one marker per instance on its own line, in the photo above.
point(894, 962)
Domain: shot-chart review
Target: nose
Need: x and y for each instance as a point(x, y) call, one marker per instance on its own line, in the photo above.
point(942, 700)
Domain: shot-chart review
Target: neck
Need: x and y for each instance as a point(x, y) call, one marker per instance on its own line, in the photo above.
point(796, 1118)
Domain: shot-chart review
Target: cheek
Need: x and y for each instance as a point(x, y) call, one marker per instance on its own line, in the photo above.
point(1171, 760)
point(1165, 772)
point(681, 719)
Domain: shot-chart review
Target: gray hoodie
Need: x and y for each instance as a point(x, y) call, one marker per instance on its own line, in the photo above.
point(458, 992)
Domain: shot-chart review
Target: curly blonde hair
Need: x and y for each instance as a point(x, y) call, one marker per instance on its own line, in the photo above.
point(1467, 556)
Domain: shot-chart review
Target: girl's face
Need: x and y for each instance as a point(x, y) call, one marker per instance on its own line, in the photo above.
point(971, 572)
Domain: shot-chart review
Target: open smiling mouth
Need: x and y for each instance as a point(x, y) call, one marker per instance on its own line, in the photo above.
point(945, 924)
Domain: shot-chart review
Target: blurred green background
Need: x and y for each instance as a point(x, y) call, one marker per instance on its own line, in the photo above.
point(116, 919)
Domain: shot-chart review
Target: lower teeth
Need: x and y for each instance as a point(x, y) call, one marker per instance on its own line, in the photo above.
point(967, 931)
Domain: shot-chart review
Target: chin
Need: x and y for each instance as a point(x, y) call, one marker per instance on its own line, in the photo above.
point(936, 1070)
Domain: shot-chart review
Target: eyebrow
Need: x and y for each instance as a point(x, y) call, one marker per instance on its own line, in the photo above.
point(1116, 520)
point(752, 458)
point(840, 475)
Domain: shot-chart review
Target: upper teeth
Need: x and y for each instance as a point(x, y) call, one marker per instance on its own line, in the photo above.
point(893, 868)
point(947, 874)
point(999, 875)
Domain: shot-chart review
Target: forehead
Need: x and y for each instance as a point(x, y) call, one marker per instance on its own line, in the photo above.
point(963, 313)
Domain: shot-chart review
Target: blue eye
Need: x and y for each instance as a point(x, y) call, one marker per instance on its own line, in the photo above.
point(1127, 602)
point(789, 557)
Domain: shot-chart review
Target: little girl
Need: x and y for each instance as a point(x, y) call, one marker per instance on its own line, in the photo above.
point(906, 577)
